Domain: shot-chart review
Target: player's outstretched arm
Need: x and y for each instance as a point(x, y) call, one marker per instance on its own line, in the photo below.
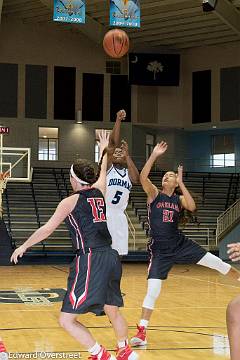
point(103, 144)
point(114, 139)
point(63, 210)
point(186, 198)
point(132, 170)
point(149, 188)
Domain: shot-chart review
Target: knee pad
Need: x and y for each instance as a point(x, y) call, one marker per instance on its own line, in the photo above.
point(214, 262)
point(154, 289)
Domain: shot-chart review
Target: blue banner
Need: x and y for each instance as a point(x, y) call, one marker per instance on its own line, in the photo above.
point(125, 13)
point(70, 11)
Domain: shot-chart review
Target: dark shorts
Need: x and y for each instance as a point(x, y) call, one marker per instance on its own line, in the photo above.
point(94, 280)
point(163, 256)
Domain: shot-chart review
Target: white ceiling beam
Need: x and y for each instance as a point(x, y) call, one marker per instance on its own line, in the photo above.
point(37, 18)
point(236, 3)
point(28, 14)
point(144, 5)
point(23, 8)
point(169, 28)
point(193, 37)
point(182, 34)
point(166, 15)
point(16, 2)
point(171, 22)
point(9, 5)
point(154, 6)
point(228, 14)
point(222, 40)
point(159, 4)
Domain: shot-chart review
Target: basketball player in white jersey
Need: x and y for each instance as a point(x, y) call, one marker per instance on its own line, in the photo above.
point(122, 173)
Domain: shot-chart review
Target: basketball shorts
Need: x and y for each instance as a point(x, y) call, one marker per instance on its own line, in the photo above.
point(94, 281)
point(118, 227)
point(164, 256)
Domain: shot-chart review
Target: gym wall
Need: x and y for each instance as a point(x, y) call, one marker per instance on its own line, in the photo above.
point(164, 111)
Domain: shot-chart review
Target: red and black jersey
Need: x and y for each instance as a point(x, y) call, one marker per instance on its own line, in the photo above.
point(163, 214)
point(87, 222)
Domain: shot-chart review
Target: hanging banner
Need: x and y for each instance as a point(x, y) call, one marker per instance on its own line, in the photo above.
point(125, 13)
point(70, 11)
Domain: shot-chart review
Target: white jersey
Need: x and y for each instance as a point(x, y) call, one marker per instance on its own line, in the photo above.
point(118, 189)
point(117, 195)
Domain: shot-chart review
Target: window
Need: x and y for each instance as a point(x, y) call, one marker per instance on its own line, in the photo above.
point(96, 151)
point(48, 143)
point(222, 160)
point(223, 152)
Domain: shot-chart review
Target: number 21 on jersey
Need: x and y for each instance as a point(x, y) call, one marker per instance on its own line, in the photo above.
point(97, 205)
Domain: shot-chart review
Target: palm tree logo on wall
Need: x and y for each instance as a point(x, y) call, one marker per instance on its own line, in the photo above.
point(155, 67)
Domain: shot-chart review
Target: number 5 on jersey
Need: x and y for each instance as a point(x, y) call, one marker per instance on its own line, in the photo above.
point(97, 205)
point(117, 197)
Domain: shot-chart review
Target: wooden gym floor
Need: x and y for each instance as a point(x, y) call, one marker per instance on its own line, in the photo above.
point(188, 322)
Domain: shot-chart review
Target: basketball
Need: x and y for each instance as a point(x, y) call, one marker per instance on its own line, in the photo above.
point(116, 43)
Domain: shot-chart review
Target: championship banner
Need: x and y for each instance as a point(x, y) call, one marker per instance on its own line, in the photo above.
point(154, 69)
point(70, 11)
point(125, 13)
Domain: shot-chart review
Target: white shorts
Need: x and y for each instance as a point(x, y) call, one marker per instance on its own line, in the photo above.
point(118, 227)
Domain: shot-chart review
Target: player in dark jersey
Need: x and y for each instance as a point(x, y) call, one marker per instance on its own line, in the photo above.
point(95, 274)
point(168, 245)
point(233, 310)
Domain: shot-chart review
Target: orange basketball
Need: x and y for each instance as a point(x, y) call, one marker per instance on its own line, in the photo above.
point(116, 43)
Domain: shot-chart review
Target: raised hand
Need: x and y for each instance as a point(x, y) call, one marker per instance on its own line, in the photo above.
point(18, 253)
point(160, 148)
point(234, 251)
point(103, 139)
point(121, 115)
point(180, 174)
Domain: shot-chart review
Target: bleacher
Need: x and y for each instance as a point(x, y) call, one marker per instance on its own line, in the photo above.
point(27, 206)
